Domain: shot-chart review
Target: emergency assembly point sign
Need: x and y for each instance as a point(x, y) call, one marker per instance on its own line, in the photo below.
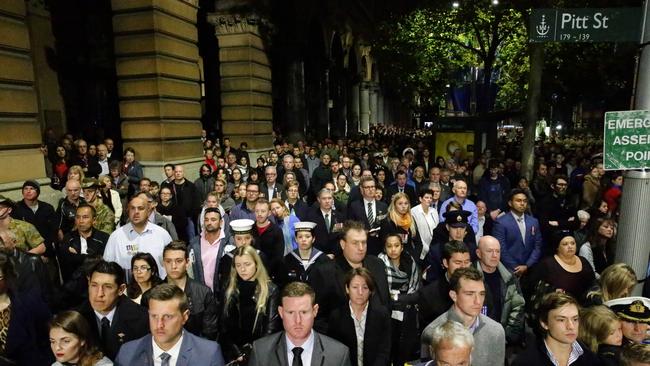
point(626, 140)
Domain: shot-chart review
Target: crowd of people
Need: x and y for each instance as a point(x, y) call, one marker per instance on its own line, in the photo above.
point(369, 250)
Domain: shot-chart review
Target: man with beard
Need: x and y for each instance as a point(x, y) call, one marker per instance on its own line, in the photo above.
point(556, 213)
point(208, 248)
point(205, 182)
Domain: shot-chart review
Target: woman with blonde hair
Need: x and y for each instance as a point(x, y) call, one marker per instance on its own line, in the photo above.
point(286, 221)
point(600, 330)
point(250, 302)
point(400, 221)
point(616, 281)
point(71, 341)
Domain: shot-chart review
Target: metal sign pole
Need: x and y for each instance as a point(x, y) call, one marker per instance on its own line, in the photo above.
point(633, 243)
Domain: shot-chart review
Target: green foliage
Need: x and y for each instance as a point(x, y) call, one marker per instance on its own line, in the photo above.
point(428, 48)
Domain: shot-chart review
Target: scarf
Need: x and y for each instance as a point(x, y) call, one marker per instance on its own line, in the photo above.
point(403, 221)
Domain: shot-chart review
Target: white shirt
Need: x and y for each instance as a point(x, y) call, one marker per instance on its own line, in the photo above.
point(125, 242)
point(109, 316)
point(174, 352)
point(84, 245)
point(104, 165)
point(360, 330)
point(521, 222)
point(372, 204)
point(307, 350)
point(425, 223)
point(270, 193)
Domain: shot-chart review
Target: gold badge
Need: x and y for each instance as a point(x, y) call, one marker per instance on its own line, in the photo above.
point(637, 307)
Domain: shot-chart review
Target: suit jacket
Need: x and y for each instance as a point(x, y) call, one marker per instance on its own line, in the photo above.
point(194, 351)
point(130, 322)
point(357, 212)
point(410, 192)
point(272, 351)
point(277, 191)
point(515, 251)
point(376, 338)
point(326, 242)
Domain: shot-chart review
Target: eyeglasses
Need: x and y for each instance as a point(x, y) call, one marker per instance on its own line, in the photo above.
point(369, 187)
point(249, 191)
point(141, 269)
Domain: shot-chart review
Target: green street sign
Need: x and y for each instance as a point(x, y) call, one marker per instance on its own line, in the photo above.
point(586, 25)
point(626, 140)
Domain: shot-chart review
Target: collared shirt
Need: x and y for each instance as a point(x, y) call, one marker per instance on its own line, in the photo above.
point(576, 352)
point(307, 349)
point(472, 328)
point(209, 257)
point(104, 165)
point(372, 204)
point(125, 242)
point(360, 330)
point(467, 205)
point(109, 316)
point(174, 352)
point(479, 233)
point(83, 244)
point(270, 192)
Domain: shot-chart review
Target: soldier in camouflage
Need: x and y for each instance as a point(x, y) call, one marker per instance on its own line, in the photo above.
point(27, 237)
point(105, 219)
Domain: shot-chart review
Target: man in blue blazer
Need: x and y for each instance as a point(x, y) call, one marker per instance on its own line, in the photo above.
point(168, 343)
point(519, 235)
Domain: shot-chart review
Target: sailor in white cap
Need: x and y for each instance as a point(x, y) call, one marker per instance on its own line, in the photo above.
point(298, 264)
point(634, 313)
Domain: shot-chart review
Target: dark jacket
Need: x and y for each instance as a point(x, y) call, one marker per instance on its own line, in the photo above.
point(326, 242)
point(357, 212)
point(197, 263)
point(535, 355)
point(32, 274)
point(410, 192)
point(609, 355)
point(130, 322)
point(93, 169)
point(44, 219)
point(187, 198)
point(292, 268)
point(65, 214)
point(27, 334)
point(134, 174)
point(232, 335)
point(328, 281)
point(70, 261)
point(376, 337)
point(179, 219)
point(412, 244)
point(321, 175)
point(271, 243)
point(432, 300)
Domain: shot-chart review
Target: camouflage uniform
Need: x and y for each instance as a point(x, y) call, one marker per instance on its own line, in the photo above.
point(27, 237)
point(341, 196)
point(105, 220)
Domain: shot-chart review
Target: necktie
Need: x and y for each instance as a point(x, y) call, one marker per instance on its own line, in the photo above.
point(371, 215)
point(106, 330)
point(327, 222)
point(297, 360)
point(164, 357)
point(522, 228)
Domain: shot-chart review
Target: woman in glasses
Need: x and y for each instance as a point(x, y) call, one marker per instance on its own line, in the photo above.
point(144, 276)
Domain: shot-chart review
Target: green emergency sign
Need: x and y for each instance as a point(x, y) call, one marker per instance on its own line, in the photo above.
point(626, 140)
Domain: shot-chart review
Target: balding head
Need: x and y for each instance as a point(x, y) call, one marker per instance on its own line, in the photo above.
point(73, 190)
point(489, 253)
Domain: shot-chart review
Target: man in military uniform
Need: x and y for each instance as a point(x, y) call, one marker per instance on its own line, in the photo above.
point(27, 237)
point(634, 313)
point(105, 219)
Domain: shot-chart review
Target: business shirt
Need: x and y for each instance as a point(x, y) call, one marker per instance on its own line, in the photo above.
point(307, 350)
point(360, 330)
point(174, 352)
point(209, 257)
point(109, 316)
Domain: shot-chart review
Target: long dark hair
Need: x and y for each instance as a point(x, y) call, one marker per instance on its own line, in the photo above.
point(133, 290)
point(8, 272)
point(75, 323)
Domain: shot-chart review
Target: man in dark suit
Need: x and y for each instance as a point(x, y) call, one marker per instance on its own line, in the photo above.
point(328, 279)
point(370, 212)
point(271, 189)
point(400, 186)
point(168, 343)
point(519, 235)
point(328, 222)
point(113, 318)
point(298, 344)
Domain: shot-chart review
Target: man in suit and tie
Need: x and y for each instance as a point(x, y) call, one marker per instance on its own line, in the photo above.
point(271, 189)
point(328, 222)
point(400, 186)
point(370, 212)
point(519, 235)
point(298, 344)
point(113, 318)
point(168, 344)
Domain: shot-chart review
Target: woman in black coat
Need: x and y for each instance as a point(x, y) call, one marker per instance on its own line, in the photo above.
point(363, 327)
point(249, 305)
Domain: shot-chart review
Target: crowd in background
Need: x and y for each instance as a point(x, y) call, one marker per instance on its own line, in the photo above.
point(396, 242)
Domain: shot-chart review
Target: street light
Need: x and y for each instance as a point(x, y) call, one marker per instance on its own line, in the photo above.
point(455, 4)
point(495, 2)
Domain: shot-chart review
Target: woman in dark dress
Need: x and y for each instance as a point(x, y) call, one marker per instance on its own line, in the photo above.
point(298, 265)
point(565, 270)
point(360, 325)
point(249, 305)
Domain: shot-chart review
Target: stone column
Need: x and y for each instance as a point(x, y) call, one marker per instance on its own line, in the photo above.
point(296, 112)
point(373, 104)
point(246, 99)
point(364, 108)
point(157, 63)
point(20, 139)
point(380, 108)
point(353, 117)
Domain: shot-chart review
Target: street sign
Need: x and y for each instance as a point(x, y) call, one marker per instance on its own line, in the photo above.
point(626, 141)
point(586, 25)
